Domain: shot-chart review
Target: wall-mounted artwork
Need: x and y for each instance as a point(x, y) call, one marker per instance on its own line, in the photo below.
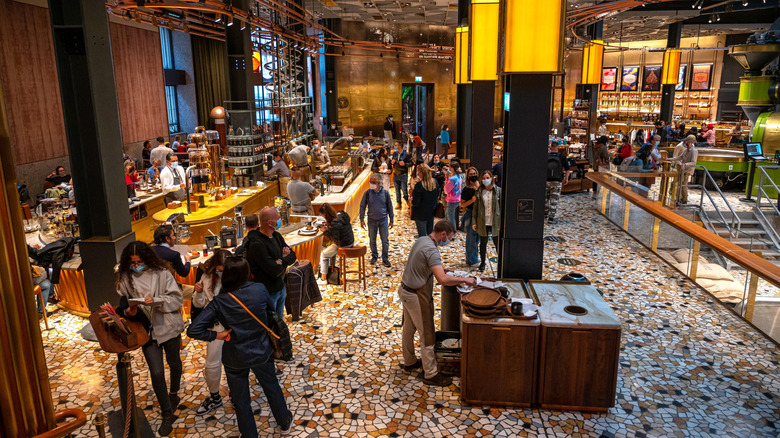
point(700, 77)
point(681, 78)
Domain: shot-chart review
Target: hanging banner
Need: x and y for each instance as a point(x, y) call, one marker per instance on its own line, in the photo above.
point(651, 78)
point(630, 79)
point(609, 78)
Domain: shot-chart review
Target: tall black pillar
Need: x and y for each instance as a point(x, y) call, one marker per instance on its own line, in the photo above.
point(524, 180)
point(239, 49)
point(463, 129)
point(483, 101)
point(82, 47)
point(331, 86)
point(667, 91)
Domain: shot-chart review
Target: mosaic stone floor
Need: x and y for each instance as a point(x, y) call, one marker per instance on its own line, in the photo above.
point(688, 367)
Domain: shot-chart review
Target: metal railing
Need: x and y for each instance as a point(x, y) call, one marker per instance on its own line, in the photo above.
point(736, 222)
point(763, 194)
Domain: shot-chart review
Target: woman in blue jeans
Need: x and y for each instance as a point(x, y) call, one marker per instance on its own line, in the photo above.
point(452, 188)
point(467, 199)
point(425, 197)
point(241, 307)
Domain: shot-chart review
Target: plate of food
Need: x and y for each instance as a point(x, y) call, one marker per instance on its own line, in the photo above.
point(308, 230)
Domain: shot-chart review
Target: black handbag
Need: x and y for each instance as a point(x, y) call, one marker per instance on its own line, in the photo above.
point(279, 334)
point(439, 210)
point(334, 275)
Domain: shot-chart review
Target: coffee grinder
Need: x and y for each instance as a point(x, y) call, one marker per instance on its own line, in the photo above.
point(238, 221)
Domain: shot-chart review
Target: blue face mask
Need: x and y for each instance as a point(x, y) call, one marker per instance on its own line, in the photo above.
point(175, 164)
point(278, 224)
point(486, 182)
point(657, 143)
point(436, 162)
point(140, 268)
point(444, 243)
point(219, 273)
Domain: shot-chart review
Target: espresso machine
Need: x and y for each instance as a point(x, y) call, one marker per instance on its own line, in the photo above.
point(239, 221)
point(283, 207)
point(180, 228)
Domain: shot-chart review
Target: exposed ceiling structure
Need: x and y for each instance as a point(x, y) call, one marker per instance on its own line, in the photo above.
point(435, 12)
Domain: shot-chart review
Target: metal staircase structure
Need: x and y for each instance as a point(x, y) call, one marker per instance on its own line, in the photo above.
point(754, 230)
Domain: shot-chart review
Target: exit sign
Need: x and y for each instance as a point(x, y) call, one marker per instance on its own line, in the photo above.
point(506, 101)
point(418, 78)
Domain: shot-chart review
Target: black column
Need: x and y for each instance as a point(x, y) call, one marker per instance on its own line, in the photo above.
point(239, 49)
point(524, 180)
point(331, 86)
point(82, 47)
point(483, 100)
point(667, 91)
point(463, 122)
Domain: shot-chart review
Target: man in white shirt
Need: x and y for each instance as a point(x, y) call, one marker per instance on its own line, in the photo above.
point(173, 180)
point(160, 152)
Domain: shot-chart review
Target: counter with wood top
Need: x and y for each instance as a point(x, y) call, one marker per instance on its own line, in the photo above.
point(349, 199)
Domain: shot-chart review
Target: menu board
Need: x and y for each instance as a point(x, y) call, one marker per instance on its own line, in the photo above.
point(651, 78)
point(630, 79)
point(700, 77)
point(609, 79)
point(681, 78)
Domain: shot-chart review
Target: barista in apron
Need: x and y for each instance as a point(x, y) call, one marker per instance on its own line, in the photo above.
point(172, 178)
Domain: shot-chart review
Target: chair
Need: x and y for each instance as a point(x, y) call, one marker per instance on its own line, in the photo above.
point(356, 252)
point(39, 293)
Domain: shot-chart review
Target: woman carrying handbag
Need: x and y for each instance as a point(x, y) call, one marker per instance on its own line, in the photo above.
point(242, 308)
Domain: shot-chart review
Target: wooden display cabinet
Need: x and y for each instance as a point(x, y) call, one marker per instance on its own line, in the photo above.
point(578, 361)
point(499, 358)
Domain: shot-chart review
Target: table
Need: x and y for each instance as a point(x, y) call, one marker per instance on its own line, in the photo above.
point(349, 199)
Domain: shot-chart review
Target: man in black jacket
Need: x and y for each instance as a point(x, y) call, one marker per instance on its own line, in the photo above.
point(164, 239)
point(268, 254)
point(389, 129)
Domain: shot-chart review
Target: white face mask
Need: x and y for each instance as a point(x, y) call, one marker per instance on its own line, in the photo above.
point(374, 186)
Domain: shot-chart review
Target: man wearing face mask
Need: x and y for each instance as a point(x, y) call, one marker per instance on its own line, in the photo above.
point(268, 254)
point(687, 160)
point(320, 158)
point(400, 162)
point(173, 180)
point(380, 207)
point(557, 177)
point(389, 129)
point(416, 295)
point(333, 131)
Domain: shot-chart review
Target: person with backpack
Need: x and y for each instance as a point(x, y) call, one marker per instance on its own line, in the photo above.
point(557, 177)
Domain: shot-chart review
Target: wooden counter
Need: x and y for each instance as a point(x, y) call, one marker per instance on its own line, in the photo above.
point(499, 357)
point(209, 219)
point(349, 199)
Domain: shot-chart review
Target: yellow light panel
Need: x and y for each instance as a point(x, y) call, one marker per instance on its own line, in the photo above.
point(592, 59)
point(483, 47)
point(671, 66)
point(533, 36)
point(462, 55)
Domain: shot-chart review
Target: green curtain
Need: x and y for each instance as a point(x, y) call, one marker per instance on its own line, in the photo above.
point(210, 60)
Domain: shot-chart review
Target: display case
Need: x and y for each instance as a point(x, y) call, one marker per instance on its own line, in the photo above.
point(248, 143)
point(694, 105)
point(580, 121)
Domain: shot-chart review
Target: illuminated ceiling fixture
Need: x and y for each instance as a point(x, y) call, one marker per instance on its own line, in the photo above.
point(717, 17)
point(230, 21)
point(243, 25)
point(219, 18)
point(483, 40)
point(671, 67)
point(744, 2)
point(710, 20)
point(533, 41)
point(592, 59)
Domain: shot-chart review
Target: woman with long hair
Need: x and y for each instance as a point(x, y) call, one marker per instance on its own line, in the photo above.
point(242, 306)
point(383, 166)
point(487, 214)
point(424, 200)
point(453, 185)
point(144, 280)
point(337, 228)
point(208, 287)
point(467, 200)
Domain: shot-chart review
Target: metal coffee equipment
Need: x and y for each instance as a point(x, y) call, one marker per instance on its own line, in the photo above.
point(239, 221)
point(227, 237)
point(283, 207)
point(180, 229)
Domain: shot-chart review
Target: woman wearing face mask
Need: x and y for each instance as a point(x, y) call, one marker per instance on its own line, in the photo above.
point(209, 286)
point(383, 166)
point(337, 228)
point(145, 279)
point(467, 200)
point(487, 214)
point(424, 199)
point(452, 188)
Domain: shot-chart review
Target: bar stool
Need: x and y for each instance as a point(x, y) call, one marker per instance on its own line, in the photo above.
point(39, 294)
point(356, 252)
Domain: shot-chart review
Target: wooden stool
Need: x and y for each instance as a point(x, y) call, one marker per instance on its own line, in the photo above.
point(356, 252)
point(39, 293)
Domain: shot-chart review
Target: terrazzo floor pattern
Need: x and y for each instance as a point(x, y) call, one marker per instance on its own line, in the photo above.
point(688, 367)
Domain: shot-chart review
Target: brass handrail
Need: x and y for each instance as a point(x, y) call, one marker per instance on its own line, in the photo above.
point(741, 256)
point(75, 419)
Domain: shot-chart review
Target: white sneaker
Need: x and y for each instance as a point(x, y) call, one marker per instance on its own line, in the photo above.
point(285, 430)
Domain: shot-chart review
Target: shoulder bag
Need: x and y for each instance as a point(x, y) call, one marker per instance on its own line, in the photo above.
point(280, 338)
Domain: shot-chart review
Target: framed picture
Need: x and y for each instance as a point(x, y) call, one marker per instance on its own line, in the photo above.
point(700, 77)
point(681, 78)
point(651, 78)
point(630, 79)
point(609, 79)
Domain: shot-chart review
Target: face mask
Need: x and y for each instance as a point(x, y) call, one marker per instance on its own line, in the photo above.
point(390, 118)
point(436, 162)
point(444, 243)
point(657, 143)
point(219, 273)
point(175, 164)
point(316, 147)
point(395, 149)
point(473, 178)
point(140, 268)
point(486, 182)
point(278, 224)
point(374, 186)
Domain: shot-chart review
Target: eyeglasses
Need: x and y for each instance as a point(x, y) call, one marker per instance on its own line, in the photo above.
point(139, 263)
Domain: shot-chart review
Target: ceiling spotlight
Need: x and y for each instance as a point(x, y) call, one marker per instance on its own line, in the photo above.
point(701, 3)
point(230, 21)
point(744, 2)
point(219, 18)
point(243, 25)
point(717, 17)
point(710, 20)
